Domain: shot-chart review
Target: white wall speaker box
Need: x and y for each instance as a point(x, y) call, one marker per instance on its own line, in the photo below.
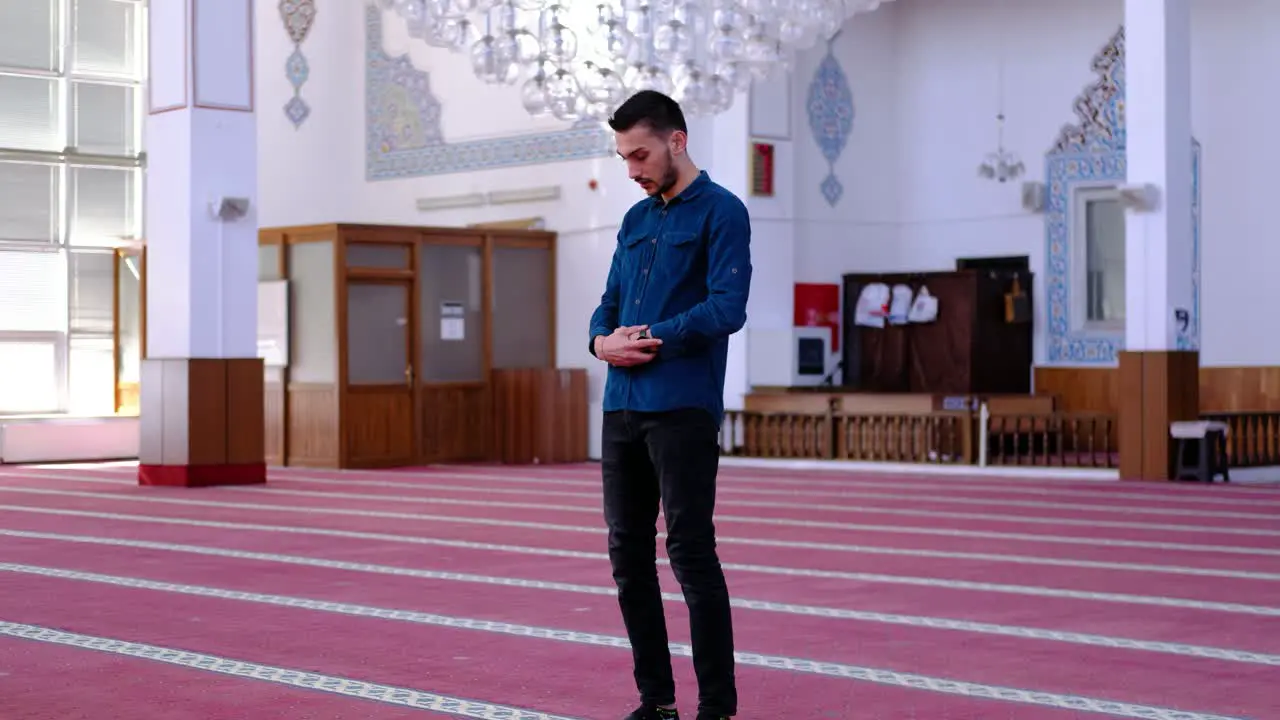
point(1033, 193)
point(1139, 197)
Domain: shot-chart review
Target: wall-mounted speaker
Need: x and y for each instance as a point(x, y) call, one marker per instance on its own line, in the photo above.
point(1033, 193)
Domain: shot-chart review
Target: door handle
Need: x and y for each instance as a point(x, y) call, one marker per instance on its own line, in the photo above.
point(408, 375)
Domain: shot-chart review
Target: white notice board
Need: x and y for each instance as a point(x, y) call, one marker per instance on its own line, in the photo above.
point(273, 322)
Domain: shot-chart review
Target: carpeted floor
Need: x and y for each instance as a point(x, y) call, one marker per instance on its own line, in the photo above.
point(485, 592)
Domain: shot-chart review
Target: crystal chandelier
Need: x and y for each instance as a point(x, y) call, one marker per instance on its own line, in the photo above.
point(1001, 165)
point(579, 59)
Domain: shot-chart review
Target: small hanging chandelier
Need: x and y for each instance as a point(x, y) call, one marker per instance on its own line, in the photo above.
point(1001, 165)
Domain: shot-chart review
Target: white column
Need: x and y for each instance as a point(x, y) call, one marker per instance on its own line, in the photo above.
point(1158, 242)
point(201, 406)
point(723, 151)
point(201, 142)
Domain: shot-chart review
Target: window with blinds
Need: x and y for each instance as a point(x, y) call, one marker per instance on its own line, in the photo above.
point(33, 292)
point(104, 205)
point(29, 202)
point(71, 119)
point(92, 280)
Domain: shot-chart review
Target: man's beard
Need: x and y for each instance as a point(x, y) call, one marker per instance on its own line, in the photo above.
point(669, 177)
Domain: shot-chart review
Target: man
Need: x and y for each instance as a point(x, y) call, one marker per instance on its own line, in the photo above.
point(676, 291)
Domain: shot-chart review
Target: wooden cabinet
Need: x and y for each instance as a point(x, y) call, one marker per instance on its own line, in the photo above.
point(395, 334)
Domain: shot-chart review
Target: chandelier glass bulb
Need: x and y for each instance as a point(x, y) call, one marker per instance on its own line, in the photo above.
point(579, 59)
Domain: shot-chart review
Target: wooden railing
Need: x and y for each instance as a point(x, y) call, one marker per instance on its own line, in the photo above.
point(1052, 440)
point(777, 435)
point(1253, 438)
point(941, 437)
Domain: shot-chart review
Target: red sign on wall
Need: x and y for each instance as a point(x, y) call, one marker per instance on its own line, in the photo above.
point(762, 169)
point(818, 305)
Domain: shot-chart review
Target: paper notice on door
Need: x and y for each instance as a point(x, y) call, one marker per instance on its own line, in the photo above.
point(453, 322)
point(453, 328)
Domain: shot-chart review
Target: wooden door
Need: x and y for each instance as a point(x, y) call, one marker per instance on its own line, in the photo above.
point(380, 400)
point(454, 341)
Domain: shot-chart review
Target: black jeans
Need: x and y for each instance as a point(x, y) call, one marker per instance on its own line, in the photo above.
point(672, 458)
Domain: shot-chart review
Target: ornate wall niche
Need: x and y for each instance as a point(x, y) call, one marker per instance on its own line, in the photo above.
point(402, 126)
point(1088, 154)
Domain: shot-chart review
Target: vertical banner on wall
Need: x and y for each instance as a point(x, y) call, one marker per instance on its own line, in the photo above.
point(762, 169)
point(818, 305)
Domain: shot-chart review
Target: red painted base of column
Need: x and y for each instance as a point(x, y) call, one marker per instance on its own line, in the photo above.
point(202, 475)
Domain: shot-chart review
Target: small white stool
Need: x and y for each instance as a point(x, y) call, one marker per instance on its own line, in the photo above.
point(1209, 438)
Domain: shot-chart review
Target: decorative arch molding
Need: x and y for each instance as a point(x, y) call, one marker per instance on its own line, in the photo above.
point(1092, 152)
point(403, 138)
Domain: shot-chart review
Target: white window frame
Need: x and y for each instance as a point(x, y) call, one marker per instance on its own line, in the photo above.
point(1081, 195)
point(70, 157)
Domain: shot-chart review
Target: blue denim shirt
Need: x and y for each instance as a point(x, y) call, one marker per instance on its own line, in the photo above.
point(684, 269)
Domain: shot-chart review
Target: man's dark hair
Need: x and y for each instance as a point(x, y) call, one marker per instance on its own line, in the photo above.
point(649, 107)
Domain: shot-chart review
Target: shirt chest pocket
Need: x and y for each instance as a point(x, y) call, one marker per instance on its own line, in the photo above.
point(671, 254)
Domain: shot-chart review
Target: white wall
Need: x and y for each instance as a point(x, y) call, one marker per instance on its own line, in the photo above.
point(317, 173)
point(924, 76)
point(858, 233)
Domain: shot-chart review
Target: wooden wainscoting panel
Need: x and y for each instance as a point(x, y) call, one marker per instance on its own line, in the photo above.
point(1128, 409)
point(540, 415)
point(313, 425)
point(206, 405)
point(1222, 389)
point(1080, 390)
point(1240, 389)
point(246, 419)
point(457, 422)
point(379, 426)
point(1171, 393)
point(273, 400)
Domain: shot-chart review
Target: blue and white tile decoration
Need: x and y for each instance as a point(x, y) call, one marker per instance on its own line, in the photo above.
point(298, 16)
point(831, 112)
point(402, 126)
point(1090, 151)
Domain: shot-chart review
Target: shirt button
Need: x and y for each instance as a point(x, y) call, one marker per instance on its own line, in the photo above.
point(637, 302)
point(654, 241)
point(645, 271)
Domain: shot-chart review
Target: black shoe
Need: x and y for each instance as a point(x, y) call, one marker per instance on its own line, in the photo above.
point(653, 712)
point(709, 716)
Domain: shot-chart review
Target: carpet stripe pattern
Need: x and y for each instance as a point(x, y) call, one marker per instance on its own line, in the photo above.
point(484, 592)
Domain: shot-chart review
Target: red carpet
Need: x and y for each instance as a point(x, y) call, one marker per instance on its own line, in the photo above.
point(484, 592)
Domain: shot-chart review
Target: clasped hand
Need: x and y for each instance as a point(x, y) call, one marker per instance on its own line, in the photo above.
point(625, 348)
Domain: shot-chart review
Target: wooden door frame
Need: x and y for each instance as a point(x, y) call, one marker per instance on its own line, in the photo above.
point(118, 257)
point(343, 277)
point(415, 237)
